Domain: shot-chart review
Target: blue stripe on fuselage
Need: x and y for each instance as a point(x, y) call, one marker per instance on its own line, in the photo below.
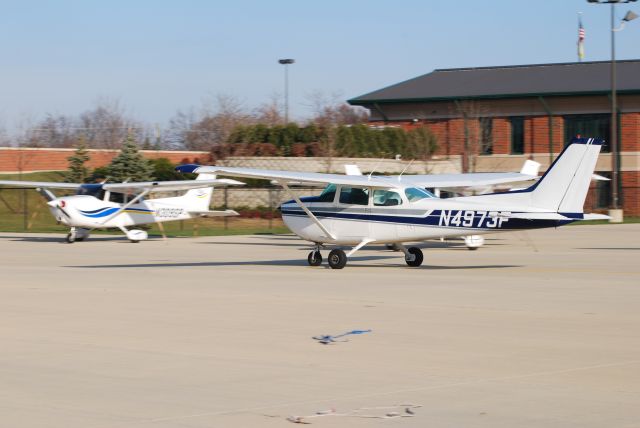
point(434, 219)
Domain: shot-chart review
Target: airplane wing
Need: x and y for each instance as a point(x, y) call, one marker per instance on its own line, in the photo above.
point(167, 186)
point(475, 179)
point(38, 184)
point(386, 182)
point(298, 177)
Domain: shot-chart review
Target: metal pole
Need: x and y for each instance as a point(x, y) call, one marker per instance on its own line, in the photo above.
point(226, 206)
point(286, 94)
point(614, 115)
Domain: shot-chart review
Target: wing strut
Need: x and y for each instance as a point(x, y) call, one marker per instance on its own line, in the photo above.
point(127, 205)
point(305, 209)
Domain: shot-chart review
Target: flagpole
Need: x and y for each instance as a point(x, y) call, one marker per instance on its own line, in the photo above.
point(580, 38)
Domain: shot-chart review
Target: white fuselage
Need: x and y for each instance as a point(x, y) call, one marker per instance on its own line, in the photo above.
point(90, 212)
point(407, 221)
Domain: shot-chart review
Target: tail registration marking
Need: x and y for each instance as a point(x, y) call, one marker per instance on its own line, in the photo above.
point(468, 218)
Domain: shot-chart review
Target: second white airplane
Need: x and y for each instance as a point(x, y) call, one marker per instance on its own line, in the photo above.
point(93, 205)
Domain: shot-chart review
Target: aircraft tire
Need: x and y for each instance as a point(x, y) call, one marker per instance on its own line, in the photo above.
point(419, 257)
point(337, 259)
point(133, 241)
point(71, 238)
point(314, 258)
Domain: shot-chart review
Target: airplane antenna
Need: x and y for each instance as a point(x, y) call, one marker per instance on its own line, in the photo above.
point(405, 168)
point(374, 168)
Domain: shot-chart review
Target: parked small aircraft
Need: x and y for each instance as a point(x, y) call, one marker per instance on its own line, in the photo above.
point(529, 171)
point(358, 210)
point(92, 207)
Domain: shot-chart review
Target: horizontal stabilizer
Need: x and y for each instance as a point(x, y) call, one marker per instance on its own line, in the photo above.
point(223, 213)
point(596, 217)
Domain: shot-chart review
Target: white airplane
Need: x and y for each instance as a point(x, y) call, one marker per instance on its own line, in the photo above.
point(529, 171)
point(92, 206)
point(359, 210)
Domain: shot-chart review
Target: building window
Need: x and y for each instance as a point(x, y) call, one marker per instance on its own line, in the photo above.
point(603, 191)
point(486, 136)
point(588, 126)
point(517, 135)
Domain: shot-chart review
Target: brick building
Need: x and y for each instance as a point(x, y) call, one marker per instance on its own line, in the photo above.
point(492, 118)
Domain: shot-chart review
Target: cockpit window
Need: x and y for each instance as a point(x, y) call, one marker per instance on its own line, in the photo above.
point(94, 190)
point(386, 198)
point(328, 194)
point(354, 196)
point(415, 194)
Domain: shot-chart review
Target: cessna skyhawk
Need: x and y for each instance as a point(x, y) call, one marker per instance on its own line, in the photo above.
point(92, 207)
point(359, 210)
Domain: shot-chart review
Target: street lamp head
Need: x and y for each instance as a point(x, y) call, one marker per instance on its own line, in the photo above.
point(286, 61)
point(630, 16)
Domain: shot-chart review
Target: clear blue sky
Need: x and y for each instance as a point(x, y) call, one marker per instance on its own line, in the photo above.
point(159, 56)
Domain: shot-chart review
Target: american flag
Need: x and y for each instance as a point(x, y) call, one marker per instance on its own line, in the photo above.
point(580, 39)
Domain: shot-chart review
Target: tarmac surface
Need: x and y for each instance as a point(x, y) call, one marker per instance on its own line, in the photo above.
point(532, 330)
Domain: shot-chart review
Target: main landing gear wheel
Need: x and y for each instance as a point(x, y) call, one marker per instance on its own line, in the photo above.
point(71, 238)
point(415, 257)
point(314, 258)
point(337, 259)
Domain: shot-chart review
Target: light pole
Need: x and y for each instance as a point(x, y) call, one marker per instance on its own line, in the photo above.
point(615, 212)
point(286, 63)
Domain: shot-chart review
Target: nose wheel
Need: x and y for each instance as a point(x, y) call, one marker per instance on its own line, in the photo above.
point(337, 258)
point(314, 258)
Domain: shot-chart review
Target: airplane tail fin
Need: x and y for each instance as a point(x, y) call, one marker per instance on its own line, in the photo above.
point(199, 199)
point(563, 188)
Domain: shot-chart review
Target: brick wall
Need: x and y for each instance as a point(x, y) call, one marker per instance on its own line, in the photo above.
point(630, 132)
point(501, 136)
point(29, 160)
point(630, 181)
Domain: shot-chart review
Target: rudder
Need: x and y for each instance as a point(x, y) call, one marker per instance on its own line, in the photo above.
point(564, 187)
point(199, 199)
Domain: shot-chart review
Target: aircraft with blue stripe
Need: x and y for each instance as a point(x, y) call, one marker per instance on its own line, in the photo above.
point(122, 205)
point(356, 210)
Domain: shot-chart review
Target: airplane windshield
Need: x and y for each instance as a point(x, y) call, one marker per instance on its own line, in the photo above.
point(94, 190)
point(328, 194)
point(416, 194)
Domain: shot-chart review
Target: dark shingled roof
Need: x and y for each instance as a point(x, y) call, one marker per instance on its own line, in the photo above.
point(574, 78)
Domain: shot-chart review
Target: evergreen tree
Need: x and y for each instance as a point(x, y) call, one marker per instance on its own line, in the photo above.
point(130, 164)
point(78, 172)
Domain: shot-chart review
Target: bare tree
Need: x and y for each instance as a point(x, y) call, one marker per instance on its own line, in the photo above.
point(270, 112)
point(107, 125)
point(53, 131)
point(332, 110)
point(211, 126)
point(478, 132)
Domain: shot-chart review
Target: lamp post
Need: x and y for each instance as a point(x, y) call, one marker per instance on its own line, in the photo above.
point(616, 212)
point(286, 62)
